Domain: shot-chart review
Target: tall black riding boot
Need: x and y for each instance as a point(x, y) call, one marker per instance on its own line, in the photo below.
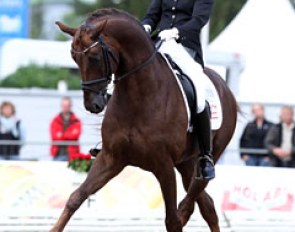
point(206, 170)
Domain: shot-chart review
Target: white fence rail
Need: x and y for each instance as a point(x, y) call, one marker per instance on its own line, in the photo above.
point(83, 221)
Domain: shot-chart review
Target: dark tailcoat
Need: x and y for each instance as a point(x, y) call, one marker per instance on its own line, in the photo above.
point(188, 16)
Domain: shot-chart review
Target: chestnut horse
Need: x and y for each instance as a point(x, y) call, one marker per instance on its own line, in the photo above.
point(145, 123)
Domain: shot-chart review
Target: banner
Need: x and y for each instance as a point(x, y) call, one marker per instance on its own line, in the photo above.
point(14, 19)
point(254, 189)
point(47, 185)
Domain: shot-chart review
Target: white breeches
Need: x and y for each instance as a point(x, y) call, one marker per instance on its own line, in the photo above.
point(191, 68)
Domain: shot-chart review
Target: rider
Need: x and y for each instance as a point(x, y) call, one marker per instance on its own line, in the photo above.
point(179, 23)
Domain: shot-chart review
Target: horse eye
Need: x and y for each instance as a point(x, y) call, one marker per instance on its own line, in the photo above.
point(94, 59)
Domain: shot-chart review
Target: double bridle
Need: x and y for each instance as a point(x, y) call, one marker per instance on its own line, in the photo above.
point(107, 52)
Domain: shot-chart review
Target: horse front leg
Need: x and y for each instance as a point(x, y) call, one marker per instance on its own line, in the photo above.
point(103, 169)
point(166, 177)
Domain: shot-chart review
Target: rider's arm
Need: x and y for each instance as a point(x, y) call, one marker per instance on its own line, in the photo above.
point(200, 16)
point(153, 15)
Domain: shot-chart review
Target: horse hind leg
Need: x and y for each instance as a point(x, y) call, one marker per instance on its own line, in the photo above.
point(206, 206)
point(195, 192)
point(207, 210)
point(103, 169)
point(187, 205)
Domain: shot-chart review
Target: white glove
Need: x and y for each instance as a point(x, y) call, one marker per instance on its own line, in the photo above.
point(147, 28)
point(169, 34)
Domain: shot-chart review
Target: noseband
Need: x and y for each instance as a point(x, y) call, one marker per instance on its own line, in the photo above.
point(106, 79)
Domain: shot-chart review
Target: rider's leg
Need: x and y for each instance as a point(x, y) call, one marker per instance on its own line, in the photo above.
point(206, 163)
point(195, 72)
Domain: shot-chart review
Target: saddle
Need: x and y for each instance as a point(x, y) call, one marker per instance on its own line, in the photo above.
point(188, 87)
point(190, 97)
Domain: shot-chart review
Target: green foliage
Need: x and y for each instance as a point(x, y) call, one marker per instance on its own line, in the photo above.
point(135, 7)
point(41, 77)
point(80, 165)
point(223, 13)
point(36, 21)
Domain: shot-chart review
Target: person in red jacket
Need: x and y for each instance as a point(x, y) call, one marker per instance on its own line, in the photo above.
point(65, 127)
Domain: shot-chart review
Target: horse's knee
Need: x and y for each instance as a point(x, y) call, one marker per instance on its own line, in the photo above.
point(76, 199)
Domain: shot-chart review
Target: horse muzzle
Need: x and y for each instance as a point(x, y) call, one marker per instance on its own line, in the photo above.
point(96, 102)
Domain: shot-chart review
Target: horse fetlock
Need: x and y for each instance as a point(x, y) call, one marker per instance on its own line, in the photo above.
point(173, 225)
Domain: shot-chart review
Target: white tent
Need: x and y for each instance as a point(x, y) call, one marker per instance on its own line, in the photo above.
point(21, 52)
point(264, 34)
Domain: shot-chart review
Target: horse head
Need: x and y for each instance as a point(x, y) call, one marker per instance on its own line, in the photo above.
point(105, 45)
point(96, 59)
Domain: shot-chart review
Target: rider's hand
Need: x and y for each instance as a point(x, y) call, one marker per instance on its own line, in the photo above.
point(169, 34)
point(147, 28)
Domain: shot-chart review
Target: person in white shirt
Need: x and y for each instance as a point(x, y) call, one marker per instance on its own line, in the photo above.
point(11, 130)
point(280, 140)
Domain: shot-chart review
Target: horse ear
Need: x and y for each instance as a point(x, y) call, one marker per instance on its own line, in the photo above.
point(68, 30)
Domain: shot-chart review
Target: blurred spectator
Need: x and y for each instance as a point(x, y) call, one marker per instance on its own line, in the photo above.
point(65, 127)
point(253, 138)
point(280, 140)
point(11, 130)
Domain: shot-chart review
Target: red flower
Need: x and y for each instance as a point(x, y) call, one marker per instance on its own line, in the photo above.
point(80, 156)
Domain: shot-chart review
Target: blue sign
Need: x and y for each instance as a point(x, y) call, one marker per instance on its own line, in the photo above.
point(14, 19)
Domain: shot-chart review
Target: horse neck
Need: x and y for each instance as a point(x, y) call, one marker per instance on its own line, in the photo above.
point(135, 49)
point(139, 88)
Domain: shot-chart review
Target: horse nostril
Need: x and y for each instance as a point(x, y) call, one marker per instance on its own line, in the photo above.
point(96, 108)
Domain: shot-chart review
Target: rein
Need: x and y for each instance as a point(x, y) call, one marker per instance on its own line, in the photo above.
point(139, 67)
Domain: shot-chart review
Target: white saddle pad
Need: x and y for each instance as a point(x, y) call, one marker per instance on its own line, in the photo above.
point(211, 96)
point(215, 105)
